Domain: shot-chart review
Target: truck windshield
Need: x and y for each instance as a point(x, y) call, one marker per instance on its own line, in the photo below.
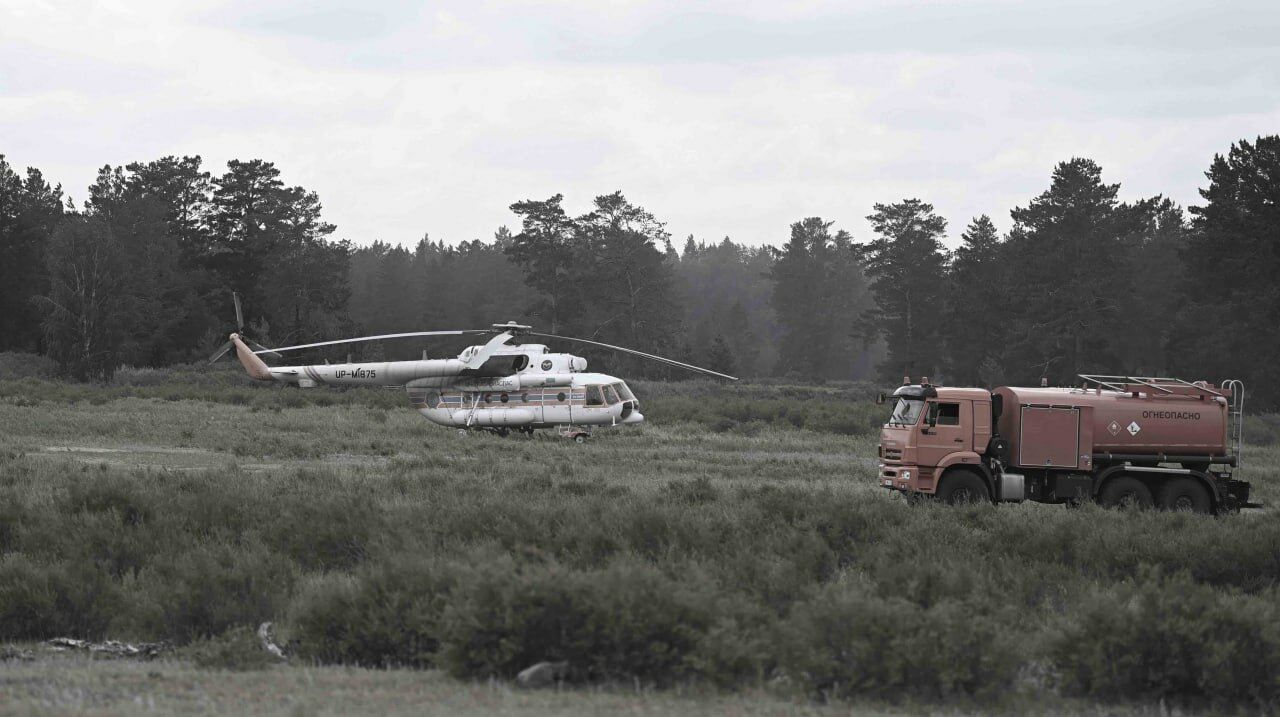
point(906, 411)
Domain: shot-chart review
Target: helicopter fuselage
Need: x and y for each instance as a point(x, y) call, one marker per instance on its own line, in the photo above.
point(522, 387)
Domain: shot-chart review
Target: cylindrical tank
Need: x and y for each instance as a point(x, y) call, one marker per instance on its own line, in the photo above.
point(1145, 423)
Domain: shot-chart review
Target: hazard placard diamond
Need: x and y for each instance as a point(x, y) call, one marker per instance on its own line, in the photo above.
point(1134, 428)
point(1113, 427)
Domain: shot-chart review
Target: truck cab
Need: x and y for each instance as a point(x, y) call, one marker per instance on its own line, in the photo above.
point(930, 430)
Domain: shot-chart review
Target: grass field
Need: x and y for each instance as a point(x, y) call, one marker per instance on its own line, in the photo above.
point(733, 556)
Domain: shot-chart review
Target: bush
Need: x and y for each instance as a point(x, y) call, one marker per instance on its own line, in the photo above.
point(846, 642)
point(622, 623)
point(388, 615)
point(237, 649)
point(15, 365)
point(41, 601)
point(1171, 638)
point(325, 533)
point(209, 589)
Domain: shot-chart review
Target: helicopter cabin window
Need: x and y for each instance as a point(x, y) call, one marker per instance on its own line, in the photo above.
point(524, 398)
point(432, 399)
point(594, 397)
point(611, 396)
point(560, 397)
point(505, 398)
point(488, 398)
point(948, 414)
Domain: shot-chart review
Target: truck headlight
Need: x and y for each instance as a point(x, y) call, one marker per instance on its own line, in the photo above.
point(906, 475)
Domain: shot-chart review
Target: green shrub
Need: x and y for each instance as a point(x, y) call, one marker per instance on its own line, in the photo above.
point(14, 365)
point(238, 650)
point(1171, 638)
point(208, 589)
point(39, 601)
point(846, 642)
point(387, 615)
point(692, 492)
point(328, 532)
point(625, 622)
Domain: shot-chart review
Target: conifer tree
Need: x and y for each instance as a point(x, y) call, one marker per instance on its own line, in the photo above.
point(1230, 324)
point(975, 326)
point(907, 265)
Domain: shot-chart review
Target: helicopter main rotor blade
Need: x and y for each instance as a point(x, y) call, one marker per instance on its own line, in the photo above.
point(221, 352)
point(260, 349)
point(239, 312)
point(380, 337)
point(653, 357)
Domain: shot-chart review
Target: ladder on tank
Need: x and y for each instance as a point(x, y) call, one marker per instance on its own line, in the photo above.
point(1235, 416)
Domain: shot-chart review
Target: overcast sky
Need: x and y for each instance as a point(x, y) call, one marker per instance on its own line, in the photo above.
point(722, 118)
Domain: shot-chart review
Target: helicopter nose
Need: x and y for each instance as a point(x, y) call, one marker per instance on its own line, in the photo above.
point(633, 417)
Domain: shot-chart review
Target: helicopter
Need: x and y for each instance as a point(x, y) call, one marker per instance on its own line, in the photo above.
point(497, 386)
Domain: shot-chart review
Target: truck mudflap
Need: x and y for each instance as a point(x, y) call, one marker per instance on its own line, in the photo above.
point(1234, 494)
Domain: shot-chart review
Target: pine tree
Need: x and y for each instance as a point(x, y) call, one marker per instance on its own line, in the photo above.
point(1068, 270)
point(819, 293)
point(88, 304)
point(29, 211)
point(720, 356)
point(1230, 323)
point(975, 326)
point(907, 266)
point(544, 250)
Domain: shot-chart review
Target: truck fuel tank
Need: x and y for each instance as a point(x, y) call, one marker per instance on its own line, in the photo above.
point(1063, 427)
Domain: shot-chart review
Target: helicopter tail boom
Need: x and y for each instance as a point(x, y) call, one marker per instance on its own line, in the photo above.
point(254, 366)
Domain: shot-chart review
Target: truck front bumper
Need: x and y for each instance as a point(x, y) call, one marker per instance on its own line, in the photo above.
point(905, 478)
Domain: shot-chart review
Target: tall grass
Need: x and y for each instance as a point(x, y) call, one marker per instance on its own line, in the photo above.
point(668, 554)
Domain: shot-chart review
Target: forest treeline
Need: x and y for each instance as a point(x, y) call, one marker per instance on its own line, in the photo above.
point(141, 273)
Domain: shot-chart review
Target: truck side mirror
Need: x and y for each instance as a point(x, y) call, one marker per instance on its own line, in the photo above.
point(882, 399)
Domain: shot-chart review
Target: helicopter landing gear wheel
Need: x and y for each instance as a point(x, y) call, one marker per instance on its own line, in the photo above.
point(462, 433)
point(575, 434)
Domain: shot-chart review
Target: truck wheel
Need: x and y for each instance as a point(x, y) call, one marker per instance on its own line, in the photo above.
point(1185, 494)
point(962, 487)
point(1125, 491)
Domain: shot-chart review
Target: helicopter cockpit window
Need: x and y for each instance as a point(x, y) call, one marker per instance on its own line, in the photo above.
point(594, 397)
point(624, 392)
point(611, 396)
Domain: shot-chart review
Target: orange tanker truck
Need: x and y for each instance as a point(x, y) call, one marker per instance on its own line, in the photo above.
point(1115, 439)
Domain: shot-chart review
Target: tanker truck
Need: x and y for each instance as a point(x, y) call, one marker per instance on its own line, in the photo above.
point(1117, 440)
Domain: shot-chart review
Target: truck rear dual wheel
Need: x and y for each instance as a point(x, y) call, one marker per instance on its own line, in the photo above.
point(1185, 494)
point(1125, 492)
point(963, 487)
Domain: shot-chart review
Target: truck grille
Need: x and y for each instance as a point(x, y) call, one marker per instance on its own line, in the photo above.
point(893, 454)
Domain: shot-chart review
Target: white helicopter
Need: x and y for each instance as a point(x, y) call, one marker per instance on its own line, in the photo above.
point(497, 386)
